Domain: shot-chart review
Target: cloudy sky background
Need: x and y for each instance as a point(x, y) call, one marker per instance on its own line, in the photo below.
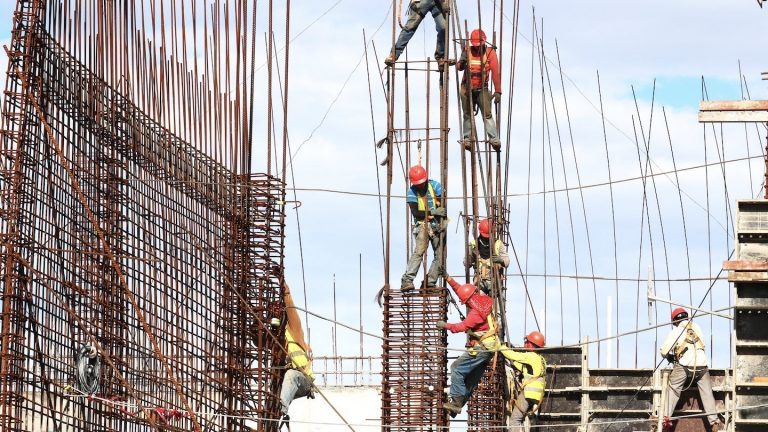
point(678, 44)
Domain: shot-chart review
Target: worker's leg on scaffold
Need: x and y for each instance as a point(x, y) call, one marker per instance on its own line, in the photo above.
point(705, 393)
point(677, 380)
point(466, 372)
point(419, 249)
point(434, 268)
point(295, 385)
point(415, 16)
point(519, 413)
point(437, 14)
point(466, 113)
point(483, 98)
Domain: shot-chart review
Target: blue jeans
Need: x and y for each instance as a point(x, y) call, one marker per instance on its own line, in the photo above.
point(467, 370)
point(482, 98)
point(415, 17)
point(419, 249)
point(295, 385)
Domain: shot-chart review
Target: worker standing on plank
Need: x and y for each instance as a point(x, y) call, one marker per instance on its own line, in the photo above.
point(480, 325)
point(481, 62)
point(429, 217)
point(530, 378)
point(684, 348)
point(417, 10)
point(481, 258)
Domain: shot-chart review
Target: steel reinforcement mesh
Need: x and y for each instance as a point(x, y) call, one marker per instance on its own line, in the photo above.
point(414, 359)
point(119, 236)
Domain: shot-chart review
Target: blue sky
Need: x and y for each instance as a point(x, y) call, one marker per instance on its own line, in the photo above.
point(630, 45)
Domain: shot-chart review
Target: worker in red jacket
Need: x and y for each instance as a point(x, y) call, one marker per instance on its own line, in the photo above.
point(480, 325)
point(480, 62)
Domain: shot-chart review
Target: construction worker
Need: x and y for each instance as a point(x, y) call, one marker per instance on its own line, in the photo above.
point(684, 348)
point(481, 258)
point(530, 378)
point(423, 198)
point(481, 62)
point(468, 369)
point(298, 379)
point(417, 10)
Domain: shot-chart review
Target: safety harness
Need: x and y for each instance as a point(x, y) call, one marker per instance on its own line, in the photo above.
point(692, 339)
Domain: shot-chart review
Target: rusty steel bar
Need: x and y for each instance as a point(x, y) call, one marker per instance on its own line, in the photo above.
point(128, 224)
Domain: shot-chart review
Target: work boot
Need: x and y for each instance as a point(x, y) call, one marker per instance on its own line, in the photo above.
point(467, 143)
point(407, 286)
point(717, 426)
point(454, 405)
point(390, 60)
point(442, 62)
point(284, 421)
point(495, 143)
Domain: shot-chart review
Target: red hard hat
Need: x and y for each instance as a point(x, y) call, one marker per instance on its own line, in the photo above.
point(536, 339)
point(417, 174)
point(477, 38)
point(679, 314)
point(484, 228)
point(465, 292)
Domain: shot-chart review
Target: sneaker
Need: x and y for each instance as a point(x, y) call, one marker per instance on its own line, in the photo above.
point(717, 426)
point(390, 60)
point(467, 143)
point(454, 405)
point(407, 286)
point(284, 421)
point(495, 143)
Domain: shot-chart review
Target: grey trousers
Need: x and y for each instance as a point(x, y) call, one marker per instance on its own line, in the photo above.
point(680, 378)
point(518, 413)
point(295, 385)
point(420, 240)
point(482, 98)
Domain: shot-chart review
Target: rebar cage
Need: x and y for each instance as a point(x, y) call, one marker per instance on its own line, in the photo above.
point(121, 237)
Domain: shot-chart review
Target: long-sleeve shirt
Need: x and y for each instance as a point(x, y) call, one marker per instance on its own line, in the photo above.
point(694, 356)
point(477, 317)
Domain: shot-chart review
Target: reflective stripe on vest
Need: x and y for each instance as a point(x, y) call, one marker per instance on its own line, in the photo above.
point(478, 69)
point(297, 356)
point(422, 199)
point(533, 386)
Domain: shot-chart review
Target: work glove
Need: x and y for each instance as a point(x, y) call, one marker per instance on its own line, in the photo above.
point(498, 260)
point(441, 324)
point(440, 211)
point(497, 97)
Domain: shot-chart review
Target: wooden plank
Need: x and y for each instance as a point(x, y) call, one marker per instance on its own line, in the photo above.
point(747, 276)
point(739, 105)
point(733, 116)
point(745, 265)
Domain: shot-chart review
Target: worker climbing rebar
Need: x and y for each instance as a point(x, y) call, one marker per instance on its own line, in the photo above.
point(430, 220)
point(480, 325)
point(484, 259)
point(684, 348)
point(480, 62)
point(417, 10)
point(299, 377)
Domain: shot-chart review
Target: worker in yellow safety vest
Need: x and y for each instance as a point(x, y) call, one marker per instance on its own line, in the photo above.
point(530, 378)
point(430, 220)
point(684, 348)
point(485, 259)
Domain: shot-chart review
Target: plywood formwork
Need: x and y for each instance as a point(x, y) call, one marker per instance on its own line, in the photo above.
point(750, 315)
point(119, 235)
